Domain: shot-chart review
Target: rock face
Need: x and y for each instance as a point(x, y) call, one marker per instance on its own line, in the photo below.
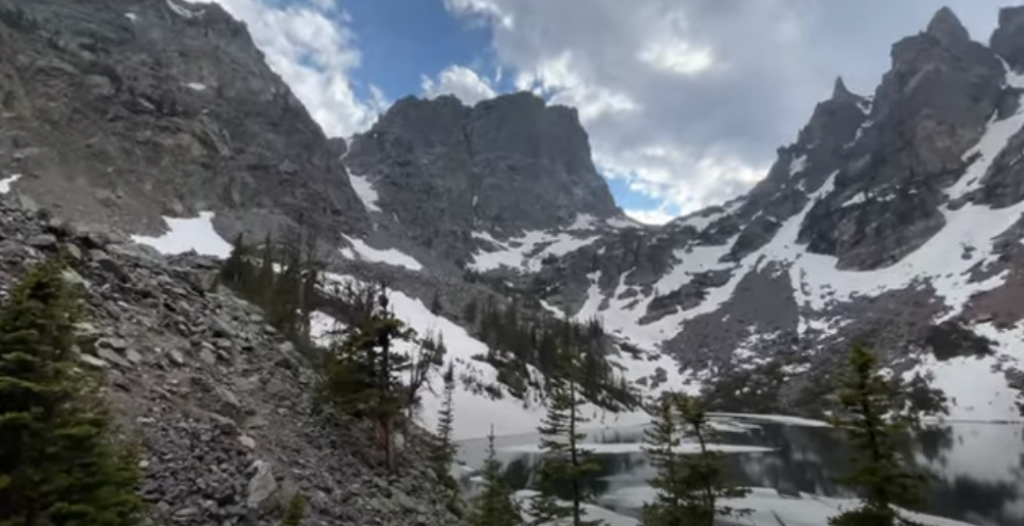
point(893, 217)
point(506, 165)
point(119, 111)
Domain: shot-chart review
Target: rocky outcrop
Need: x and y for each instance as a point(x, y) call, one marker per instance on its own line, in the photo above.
point(219, 401)
point(505, 165)
point(118, 111)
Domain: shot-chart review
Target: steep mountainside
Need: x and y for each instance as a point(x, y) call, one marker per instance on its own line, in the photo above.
point(894, 217)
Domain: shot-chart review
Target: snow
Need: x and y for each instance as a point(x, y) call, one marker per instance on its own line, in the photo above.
point(391, 256)
point(518, 253)
point(777, 419)
point(131, 16)
point(769, 508)
point(623, 222)
point(858, 198)
point(996, 136)
point(687, 448)
point(184, 234)
point(182, 11)
point(798, 165)
point(365, 190)
point(196, 86)
point(583, 222)
point(5, 183)
point(475, 413)
point(975, 390)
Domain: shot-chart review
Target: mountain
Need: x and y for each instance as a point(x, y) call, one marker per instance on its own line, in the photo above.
point(893, 218)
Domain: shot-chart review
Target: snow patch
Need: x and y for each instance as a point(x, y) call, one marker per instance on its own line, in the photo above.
point(976, 389)
point(798, 165)
point(7, 182)
point(622, 222)
point(527, 252)
point(182, 11)
point(196, 86)
point(131, 16)
point(391, 256)
point(365, 190)
point(476, 413)
point(184, 234)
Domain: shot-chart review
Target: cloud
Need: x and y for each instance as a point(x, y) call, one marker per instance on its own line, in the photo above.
point(657, 216)
point(687, 100)
point(460, 81)
point(315, 55)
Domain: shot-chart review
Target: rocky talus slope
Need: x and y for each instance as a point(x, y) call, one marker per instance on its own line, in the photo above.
point(220, 403)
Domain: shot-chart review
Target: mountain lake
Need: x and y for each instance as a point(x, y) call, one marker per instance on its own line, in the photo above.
point(976, 469)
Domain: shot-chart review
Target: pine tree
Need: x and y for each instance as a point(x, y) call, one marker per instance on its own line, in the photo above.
point(689, 486)
point(874, 426)
point(361, 376)
point(494, 506)
point(266, 276)
point(565, 463)
point(235, 272)
point(59, 463)
point(435, 304)
point(444, 451)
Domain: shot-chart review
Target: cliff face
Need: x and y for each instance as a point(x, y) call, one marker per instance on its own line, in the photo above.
point(118, 111)
point(443, 170)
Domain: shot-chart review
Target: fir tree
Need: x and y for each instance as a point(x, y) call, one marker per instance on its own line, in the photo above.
point(435, 304)
point(59, 464)
point(874, 425)
point(689, 486)
point(494, 506)
point(236, 272)
point(361, 376)
point(444, 451)
point(564, 464)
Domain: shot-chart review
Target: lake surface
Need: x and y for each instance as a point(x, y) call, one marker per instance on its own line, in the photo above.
point(977, 469)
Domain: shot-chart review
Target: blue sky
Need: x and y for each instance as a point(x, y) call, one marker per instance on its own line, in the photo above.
point(685, 101)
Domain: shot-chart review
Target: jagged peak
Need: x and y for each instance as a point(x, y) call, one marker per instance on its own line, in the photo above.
point(840, 91)
point(947, 28)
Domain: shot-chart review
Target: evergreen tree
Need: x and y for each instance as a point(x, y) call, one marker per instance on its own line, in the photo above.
point(874, 425)
point(236, 272)
point(444, 451)
point(435, 304)
point(443, 454)
point(59, 463)
point(689, 486)
point(494, 506)
point(565, 464)
point(361, 376)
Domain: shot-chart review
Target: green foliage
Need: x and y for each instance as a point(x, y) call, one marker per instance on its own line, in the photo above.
point(288, 296)
point(517, 337)
point(59, 463)
point(565, 464)
point(875, 425)
point(361, 373)
point(494, 506)
point(443, 452)
point(296, 511)
point(689, 486)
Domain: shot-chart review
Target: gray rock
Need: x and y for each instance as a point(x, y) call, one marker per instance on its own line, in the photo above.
point(262, 486)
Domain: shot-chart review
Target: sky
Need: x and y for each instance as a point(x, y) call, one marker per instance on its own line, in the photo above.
point(685, 101)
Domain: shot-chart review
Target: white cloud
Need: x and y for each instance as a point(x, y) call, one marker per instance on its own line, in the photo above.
point(460, 81)
point(688, 100)
point(316, 56)
point(658, 216)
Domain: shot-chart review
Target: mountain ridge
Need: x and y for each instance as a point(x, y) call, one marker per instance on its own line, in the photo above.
point(502, 199)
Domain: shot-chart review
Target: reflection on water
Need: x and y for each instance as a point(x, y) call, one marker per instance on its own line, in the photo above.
point(977, 469)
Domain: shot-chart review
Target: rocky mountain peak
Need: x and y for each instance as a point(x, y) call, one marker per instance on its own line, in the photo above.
point(947, 28)
point(1008, 38)
point(840, 92)
point(443, 170)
